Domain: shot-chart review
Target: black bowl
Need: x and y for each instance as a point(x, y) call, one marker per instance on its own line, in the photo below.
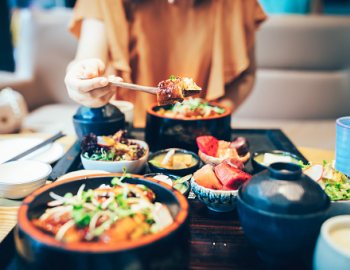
point(165, 132)
point(106, 120)
point(179, 172)
point(168, 249)
point(281, 240)
point(258, 166)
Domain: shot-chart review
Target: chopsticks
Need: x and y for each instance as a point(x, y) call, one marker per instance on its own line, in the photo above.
point(131, 86)
point(31, 150)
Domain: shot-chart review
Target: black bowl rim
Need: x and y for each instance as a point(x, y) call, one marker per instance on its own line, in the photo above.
point(27, 226)
point(228, 112)
point(285, 153)
point(278, 215)
point(177, 150)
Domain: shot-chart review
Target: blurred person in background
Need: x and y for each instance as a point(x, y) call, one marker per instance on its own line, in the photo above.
point(142, 41)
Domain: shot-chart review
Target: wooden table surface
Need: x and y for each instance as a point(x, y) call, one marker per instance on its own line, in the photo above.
point(8, 214)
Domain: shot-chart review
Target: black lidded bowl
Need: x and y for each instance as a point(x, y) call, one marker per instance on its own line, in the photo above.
point(281, 211)
point(105, 120)
point(165, 132)
point(167, 249)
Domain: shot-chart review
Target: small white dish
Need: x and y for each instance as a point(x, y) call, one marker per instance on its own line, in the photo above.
point(332, 249)
point(12, 147)
point(131, 166)
point(20, 178)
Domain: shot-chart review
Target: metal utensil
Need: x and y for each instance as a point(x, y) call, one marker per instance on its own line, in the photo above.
point(147, 89)
point(31, 150)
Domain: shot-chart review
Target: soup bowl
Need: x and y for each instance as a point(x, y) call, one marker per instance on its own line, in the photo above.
point(166, 249)
point(165, 132)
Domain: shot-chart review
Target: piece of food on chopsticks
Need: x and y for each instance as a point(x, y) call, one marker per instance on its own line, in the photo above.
point(212, 150)
point(175, 89)
point(111, 148)
point(225, 176)
point(335, 183)
point(108, 214)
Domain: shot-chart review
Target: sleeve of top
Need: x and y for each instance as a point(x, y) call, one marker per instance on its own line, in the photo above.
point(234, 36)
point(112, 14)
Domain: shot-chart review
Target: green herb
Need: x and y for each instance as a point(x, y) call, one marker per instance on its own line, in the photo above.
point(302, 165)
point(172, 78)
point(121, 201)
point(81, 218)
point(117, 181)
point(88, 195)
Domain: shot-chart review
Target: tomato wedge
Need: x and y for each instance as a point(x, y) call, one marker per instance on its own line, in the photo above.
point(208, 145)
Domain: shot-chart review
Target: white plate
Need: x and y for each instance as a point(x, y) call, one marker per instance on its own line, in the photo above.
point(10, 148)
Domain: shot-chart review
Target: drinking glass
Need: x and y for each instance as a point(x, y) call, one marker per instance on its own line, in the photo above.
point(342, 145)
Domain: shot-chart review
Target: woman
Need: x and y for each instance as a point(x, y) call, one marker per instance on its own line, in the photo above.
point(145, 41)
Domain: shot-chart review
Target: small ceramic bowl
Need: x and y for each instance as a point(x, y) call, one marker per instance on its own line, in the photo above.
point(20, 178)
point(332, 248)
point(185, 190)
point(216, 161)
point(180, 172)
point(216, 200)
point(260, 166)
point(131, 166)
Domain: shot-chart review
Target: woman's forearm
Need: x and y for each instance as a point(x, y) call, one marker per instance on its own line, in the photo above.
point(92, 41)
point(237, 91)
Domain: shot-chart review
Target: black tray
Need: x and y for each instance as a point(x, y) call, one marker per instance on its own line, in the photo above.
point(217, 239)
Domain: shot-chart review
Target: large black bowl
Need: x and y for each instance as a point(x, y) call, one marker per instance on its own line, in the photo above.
point(167, 249)
point(165, 132)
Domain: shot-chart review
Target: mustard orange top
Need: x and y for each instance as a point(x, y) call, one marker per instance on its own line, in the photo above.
point(153, 39)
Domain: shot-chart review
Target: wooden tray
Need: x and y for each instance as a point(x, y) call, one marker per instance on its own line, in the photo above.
point(217, 240)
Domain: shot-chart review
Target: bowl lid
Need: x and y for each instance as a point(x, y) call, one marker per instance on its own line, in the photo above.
point(284, 189)
point(107, 113)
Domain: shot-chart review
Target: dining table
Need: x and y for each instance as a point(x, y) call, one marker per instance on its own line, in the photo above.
point(213, 234)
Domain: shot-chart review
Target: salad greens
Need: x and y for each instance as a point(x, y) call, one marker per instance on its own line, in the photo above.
point(111, 148)
point(335, 183)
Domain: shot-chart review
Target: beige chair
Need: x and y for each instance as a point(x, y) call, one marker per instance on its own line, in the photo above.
point(303, 78)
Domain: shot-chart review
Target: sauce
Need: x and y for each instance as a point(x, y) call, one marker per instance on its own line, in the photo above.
point(340, 237)
point(269, 158)
point(176, 162)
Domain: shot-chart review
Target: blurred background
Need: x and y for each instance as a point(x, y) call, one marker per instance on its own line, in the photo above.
point(303, 60)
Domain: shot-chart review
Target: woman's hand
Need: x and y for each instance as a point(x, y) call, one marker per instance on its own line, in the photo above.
point(86, 85)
